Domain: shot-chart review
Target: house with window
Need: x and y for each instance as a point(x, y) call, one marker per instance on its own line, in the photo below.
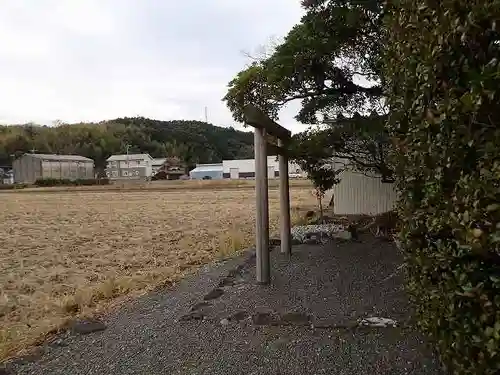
point(171, 168)
point(129, 167)
point(6, 176)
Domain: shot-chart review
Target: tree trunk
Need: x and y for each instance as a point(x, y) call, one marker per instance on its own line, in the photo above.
point(331, 203)
point(321, 209)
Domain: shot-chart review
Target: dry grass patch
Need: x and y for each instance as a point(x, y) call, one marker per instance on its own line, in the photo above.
point(69, 254)
point(161, 185)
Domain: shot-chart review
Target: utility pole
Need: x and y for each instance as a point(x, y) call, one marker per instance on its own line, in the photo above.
point(13, 156)
point(206, 114)
point(127, 147)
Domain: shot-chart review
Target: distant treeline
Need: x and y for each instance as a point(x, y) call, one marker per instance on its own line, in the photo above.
point(191, 141)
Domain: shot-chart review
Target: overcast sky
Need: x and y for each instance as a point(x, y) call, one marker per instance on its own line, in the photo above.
point(92, 60)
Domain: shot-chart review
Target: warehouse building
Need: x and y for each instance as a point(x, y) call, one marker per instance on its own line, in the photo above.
point(245, 168)
point(207, 172)
point(129, 167)
point(31, 167)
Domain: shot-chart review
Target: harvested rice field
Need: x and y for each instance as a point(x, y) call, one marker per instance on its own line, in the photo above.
point(75, 253)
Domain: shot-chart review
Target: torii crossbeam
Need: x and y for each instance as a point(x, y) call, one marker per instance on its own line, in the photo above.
point(264, 126)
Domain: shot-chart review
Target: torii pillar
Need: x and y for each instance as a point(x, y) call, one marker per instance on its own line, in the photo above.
point(264, 126)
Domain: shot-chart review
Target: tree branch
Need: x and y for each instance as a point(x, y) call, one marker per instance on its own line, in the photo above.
point(372, 91)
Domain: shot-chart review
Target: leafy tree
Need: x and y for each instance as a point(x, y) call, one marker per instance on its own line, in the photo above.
point(330, 62)
point(323, 178)
point(336, 43)
point(315, 160)
point(443, 76)
point(352, 143)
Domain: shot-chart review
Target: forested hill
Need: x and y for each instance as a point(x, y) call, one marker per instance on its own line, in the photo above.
point(192, 141)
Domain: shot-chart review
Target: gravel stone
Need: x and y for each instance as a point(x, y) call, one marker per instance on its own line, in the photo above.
point(338, 283)
point(262, 318)
point(295, 318)
point(213, 294)
point(316, 234)
point(195, 315)
point(378, 322)
point(238, 316)
point(87, 326)
point(200, 306)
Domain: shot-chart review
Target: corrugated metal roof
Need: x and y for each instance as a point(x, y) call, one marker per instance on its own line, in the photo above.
point(129, 157)
point(159, 161)
point(60, 157)
point(208, 168)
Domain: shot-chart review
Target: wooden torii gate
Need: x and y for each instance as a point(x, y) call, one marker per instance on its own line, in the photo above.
point(264, 126)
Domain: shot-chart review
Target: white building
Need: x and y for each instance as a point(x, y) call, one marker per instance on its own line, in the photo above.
point(357, 193)
point(360, 193)
point(245, 168)
point(129, 167)
point(207, 172)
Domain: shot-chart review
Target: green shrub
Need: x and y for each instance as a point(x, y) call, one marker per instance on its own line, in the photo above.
point(443, 77)
point(13, 186)
point(48, 182)
point(91, 181)
point(52, 182)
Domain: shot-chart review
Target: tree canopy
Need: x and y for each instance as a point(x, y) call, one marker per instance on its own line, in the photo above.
point(330, 62)
point(192, 141)
point(320, 62)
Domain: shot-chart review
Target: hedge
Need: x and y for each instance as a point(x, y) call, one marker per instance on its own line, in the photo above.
point(13, 186)
point(67, 182)
point(442, 75)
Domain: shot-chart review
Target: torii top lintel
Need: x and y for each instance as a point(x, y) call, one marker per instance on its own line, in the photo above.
point(258, 119)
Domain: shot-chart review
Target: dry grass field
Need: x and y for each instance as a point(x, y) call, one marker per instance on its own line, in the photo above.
point(74, 253)
point(163, 185)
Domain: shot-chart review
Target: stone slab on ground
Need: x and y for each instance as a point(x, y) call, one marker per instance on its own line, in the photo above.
point(308, 321)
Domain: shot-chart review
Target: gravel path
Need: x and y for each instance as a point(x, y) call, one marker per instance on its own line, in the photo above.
point(309, 321)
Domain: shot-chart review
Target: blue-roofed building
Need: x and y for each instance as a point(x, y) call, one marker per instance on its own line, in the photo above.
point(207, 172)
